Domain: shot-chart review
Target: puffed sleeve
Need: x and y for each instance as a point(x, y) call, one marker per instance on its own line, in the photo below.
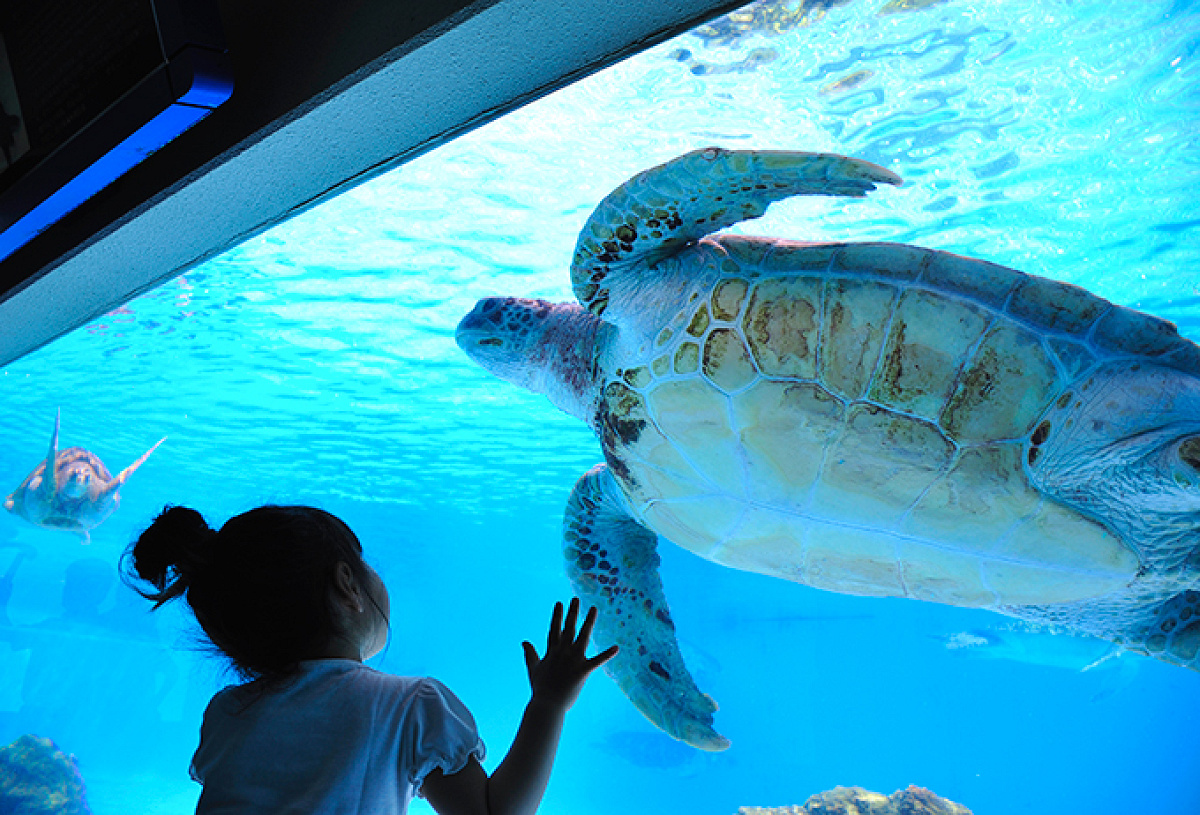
point(440, 733)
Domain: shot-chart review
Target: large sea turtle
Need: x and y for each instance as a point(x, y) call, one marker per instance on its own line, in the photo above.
point(868, 418)
point(79, 493)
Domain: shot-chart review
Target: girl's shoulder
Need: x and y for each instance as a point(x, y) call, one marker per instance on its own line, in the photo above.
point(419, 696)
point(407, 691)
point(344, 673)
point(416, 699)
point(318, 678)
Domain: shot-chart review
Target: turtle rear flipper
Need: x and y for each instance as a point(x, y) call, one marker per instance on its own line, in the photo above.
point(661, 210)
point(1174, 636)
point(613, 565)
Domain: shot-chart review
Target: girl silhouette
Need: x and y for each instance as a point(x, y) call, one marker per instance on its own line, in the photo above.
point(284, 593)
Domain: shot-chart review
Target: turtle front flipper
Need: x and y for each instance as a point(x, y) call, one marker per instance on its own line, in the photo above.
point(613, 564)
point(49, 483)
point(663, 209)
point(121, 478)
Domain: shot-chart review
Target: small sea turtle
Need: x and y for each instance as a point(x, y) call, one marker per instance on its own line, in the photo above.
point(867, 418)
point(79, 494)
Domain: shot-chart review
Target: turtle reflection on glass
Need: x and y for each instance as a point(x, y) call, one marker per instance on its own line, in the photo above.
point(867, 418)
point(71, 490)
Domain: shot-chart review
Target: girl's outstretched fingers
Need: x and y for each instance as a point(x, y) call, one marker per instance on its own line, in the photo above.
point(555, 627)
point(568, 629)
point(559, 675)
point(585, 634)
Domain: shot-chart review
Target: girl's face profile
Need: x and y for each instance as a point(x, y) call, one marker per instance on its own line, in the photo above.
point(375, 635)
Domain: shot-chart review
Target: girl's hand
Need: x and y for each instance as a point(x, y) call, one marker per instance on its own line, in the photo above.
point(558, 677)
point(518, 784)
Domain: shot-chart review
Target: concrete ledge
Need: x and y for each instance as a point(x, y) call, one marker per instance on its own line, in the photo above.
point(474, 65)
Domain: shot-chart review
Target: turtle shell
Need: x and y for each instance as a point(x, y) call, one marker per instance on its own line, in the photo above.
point(59, 510)
point(864, 418)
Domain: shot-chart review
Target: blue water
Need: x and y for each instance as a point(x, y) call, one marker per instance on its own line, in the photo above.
point(316, 364)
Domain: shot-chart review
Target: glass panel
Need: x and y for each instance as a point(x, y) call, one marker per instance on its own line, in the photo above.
point(317, 364)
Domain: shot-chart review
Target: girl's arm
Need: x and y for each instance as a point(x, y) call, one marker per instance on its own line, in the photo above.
point(517, 785)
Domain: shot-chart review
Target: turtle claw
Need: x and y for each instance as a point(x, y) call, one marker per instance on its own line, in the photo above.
point(827, 167)
point(851, 169)
point(696, 730)
point(707, 739)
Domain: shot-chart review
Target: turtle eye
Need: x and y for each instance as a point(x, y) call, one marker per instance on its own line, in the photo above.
point(1189, 451)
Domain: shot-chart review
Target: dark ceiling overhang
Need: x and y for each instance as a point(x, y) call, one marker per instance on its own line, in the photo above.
point(327, 94)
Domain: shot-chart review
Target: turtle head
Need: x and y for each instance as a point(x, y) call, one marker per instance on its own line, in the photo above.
point(76, 483)
point(545, 347)
point(503, 334)
point(1177, 463)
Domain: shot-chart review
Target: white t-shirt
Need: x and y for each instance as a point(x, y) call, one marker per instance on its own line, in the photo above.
point(338, 739)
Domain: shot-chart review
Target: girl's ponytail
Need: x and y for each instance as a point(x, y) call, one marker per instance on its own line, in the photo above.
point(171, 552)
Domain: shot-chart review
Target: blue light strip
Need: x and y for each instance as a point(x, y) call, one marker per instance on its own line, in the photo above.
point(132, 151)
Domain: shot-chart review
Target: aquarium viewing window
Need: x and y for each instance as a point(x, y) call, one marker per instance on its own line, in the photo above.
point(88, 90)
point(323, 359)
